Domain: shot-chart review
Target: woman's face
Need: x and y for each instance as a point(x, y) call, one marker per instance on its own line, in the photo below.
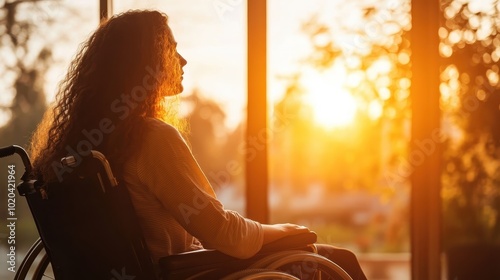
point(179, 64)
point(182, 62)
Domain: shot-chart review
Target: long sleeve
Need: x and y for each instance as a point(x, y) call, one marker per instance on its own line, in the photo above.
point(166, 167)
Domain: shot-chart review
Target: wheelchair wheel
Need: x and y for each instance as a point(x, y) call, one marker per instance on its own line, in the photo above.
point(251, 274)
point(35, 265)
point(304, 265)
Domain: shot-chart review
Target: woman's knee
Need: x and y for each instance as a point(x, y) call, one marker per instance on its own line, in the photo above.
point(329, 251)
point(342, 257)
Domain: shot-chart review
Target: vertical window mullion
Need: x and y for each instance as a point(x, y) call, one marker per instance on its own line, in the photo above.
point(105, 9)
point(425, 180)
point(256, 137)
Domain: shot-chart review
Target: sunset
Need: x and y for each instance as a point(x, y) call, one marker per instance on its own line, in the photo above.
point(332, 105)
point(361, 135)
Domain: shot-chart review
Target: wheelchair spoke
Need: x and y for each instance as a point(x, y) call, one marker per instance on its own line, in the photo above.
point(28, 260)
point(36, 265)
point(42, 267)
point(307, 265)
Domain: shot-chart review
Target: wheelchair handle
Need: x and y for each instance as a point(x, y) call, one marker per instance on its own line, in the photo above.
point(71, 161)
point(7, 151)
point(15, 149)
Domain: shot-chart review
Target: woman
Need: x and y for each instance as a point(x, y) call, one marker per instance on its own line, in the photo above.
point(112, 100)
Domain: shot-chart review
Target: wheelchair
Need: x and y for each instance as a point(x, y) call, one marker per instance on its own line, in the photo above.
point(88, 230)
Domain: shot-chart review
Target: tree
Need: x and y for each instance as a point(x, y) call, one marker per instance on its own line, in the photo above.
point(26, 56)
point(376, 56)
point(24, 69)
point(470, 47)
point(356, 158)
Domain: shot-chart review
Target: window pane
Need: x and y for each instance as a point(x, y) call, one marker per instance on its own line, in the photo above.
point(38, 39)
point(470, 48)
point(212, 38)
point(339, 85)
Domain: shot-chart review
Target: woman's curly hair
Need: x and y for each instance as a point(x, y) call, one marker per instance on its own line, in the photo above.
point(120, 75)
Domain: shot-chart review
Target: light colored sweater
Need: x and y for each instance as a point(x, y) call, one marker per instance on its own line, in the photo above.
point(175, 203)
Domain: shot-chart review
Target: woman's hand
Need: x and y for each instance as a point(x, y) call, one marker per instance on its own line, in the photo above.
point(277, 231)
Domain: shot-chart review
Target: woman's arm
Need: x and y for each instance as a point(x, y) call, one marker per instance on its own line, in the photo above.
point(166, 167)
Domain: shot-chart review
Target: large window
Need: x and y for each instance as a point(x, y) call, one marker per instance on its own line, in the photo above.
point(340, 122)
point(339, 93)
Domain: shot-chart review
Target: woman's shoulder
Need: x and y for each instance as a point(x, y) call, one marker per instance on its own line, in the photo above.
point(160, 137)
point(155, 131)
point(158, 127)
point(153, 123)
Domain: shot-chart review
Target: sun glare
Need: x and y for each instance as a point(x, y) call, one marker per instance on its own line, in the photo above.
point(332, 105)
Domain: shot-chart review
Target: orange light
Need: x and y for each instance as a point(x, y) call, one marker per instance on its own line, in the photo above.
point(332, 105)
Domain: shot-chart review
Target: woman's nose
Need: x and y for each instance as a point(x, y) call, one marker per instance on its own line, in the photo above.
point(182, 60)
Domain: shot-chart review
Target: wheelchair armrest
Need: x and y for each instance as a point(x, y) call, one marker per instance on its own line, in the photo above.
point(207, 258)
point(290, 242)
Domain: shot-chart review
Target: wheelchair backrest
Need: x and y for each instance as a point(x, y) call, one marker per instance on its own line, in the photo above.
point(88, 225)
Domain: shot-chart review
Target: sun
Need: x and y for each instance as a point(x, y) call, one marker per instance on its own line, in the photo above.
point(332, 105)
point(333, 109)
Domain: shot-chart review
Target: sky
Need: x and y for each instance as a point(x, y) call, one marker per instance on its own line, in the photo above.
point(213, 43)
point(211, 35)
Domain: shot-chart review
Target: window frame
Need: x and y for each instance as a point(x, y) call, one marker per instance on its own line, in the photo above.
point(425, 218)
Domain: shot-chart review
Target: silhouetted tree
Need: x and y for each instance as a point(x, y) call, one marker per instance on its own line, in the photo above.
point(470, 46)
point(27, 60)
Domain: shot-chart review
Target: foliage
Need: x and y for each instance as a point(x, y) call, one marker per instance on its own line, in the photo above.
point(24, 68)
point(356, 157)
point(213, 145)
point(470, 47)
point(26, 57)
point(376, 56)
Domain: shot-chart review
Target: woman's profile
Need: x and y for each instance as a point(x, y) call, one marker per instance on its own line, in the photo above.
point(113, 100)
